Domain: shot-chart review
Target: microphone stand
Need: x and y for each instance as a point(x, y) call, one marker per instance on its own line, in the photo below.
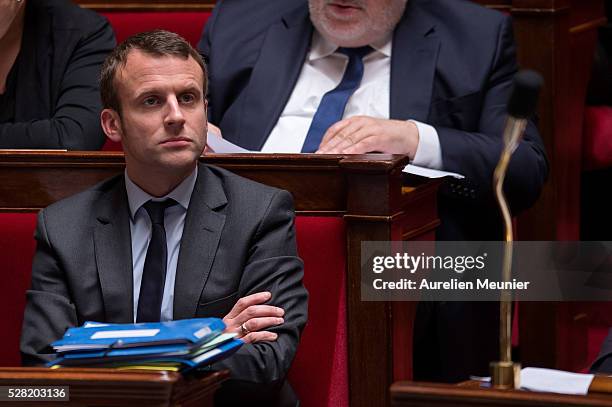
point(505, 374)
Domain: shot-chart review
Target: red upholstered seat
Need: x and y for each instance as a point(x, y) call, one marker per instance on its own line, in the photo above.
point(320, 370)
point(187, 24)
point(319, 373)
point(596, 337)
point(597, 138)
point(16, 250)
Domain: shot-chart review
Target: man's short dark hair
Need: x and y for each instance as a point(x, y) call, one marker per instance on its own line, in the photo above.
point(156, 43)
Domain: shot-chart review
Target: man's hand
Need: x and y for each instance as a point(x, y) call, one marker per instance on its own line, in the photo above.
point(248, 318)
point(364, 134)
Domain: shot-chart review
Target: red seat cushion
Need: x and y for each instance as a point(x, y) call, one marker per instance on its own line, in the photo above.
point(319, 373)
point(189, 25)
point(110, 145)
point(17, 246)
point(597, 139)
point(596, 337)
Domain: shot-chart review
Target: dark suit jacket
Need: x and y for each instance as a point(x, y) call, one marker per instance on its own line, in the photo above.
point(452, 67)
point(603, 362)
point(239, 238)
point(57, 98)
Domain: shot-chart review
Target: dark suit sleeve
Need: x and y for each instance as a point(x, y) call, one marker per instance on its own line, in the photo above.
point(603, 362)
point(475, 153)
point(205, 39)
point(273, 265)
point(204, 47)
point(75, 121)
point(49, 311)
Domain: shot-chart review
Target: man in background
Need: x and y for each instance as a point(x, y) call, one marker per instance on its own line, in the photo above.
point(426, 78)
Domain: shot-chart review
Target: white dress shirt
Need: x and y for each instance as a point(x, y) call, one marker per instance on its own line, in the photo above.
point(140, 231)
point(322, 71)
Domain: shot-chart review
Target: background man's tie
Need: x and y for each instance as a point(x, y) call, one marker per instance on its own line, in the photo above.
point(331, 108)
point(154, 271)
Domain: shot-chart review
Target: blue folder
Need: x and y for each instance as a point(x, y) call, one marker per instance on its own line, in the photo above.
point(188, 362)
point(186, 332)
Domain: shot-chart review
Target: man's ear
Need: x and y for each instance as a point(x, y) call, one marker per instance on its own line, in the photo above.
point(111, 124)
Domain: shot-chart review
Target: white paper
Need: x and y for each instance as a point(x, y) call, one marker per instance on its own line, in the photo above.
point(222, 146)
point(129, 333)
point(79, 346)
point(429, 173)
point(555, 381)
point(92, 324)
point(200, 333)
point(206, 355)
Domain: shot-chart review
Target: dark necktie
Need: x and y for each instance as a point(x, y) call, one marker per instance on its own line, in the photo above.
point(154, 271)
point(331, 108)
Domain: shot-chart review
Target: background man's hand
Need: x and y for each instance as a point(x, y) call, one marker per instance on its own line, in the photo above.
point(365, 134)
point(249, 313)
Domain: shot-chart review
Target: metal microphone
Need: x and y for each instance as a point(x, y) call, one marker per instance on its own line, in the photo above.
point(521, 106)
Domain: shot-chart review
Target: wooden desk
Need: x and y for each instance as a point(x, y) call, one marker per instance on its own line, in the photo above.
point(468, 394)
point(109, 387)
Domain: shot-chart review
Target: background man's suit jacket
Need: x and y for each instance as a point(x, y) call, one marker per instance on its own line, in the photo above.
point(238, 239)
point(57, 97)
point(452, 67)
point(603, 362)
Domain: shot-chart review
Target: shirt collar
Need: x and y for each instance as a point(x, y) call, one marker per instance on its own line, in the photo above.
point(181, 194)
point(321, 47)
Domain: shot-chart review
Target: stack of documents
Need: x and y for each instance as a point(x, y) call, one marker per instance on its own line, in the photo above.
point(180, 345)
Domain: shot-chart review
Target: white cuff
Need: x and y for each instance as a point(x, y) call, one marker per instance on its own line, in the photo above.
point(428, 153)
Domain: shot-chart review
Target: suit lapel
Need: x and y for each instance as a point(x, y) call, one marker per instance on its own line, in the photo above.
point(274, 76)
point(113, 251)
point(413, 65)
point(201, 235)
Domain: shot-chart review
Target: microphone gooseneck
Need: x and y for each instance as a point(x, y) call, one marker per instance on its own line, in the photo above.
point(521, 106)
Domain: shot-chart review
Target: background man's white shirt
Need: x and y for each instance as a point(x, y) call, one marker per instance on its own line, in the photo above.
point(322, 71)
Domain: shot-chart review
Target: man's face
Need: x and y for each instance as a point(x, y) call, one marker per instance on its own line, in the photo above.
point(162, 123)
point(354, 23)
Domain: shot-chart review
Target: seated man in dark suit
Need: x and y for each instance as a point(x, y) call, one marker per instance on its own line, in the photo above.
point(425, 78)
point(433, 84)
point(170, 238)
